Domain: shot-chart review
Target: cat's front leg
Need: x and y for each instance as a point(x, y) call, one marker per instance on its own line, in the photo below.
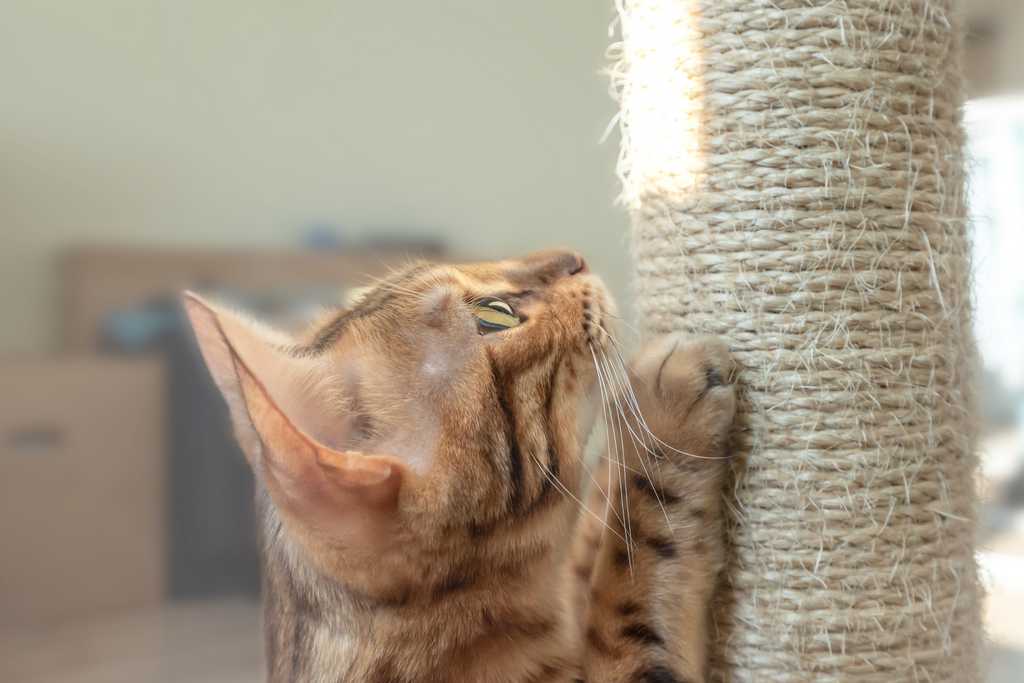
point(657, 566)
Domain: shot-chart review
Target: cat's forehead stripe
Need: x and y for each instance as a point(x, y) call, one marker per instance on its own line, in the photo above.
point(377, 298)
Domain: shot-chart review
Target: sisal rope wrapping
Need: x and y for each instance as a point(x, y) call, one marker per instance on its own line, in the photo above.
point(794, 174)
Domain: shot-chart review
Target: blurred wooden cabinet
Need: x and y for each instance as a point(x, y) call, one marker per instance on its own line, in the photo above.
point(82, 522)
point(98, 280)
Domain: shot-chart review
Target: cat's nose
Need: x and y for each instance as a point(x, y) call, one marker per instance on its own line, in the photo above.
point(555, 263)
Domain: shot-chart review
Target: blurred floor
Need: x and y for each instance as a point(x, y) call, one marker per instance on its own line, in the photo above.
point(220, 641)
point(216, 641)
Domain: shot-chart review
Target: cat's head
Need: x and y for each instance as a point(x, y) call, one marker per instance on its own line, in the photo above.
point(451, 401)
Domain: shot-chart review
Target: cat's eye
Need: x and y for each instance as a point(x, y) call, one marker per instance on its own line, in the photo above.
point(494, 313)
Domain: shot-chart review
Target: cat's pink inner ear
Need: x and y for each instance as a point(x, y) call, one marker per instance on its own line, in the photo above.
point(297, 460)
point(344, 495)
point(268, 387)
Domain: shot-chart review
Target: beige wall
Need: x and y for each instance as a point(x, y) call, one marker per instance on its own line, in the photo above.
point(241, 122)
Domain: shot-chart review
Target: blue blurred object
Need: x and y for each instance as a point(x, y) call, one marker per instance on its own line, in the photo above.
point(323, 237)
point(138, 330)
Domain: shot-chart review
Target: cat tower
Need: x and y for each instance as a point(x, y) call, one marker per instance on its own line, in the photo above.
point(794, 174)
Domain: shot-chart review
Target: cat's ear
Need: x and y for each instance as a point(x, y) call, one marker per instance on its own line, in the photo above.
point(287, 421)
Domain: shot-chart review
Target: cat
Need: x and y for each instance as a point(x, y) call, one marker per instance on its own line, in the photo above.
point(419, 461)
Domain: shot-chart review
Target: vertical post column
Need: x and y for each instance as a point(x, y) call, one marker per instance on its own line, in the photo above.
point(794, 174)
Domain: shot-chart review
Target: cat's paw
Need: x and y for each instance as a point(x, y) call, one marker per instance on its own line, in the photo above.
point(682, 387)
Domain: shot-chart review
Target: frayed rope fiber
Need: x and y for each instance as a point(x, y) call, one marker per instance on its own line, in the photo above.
point(794, 173)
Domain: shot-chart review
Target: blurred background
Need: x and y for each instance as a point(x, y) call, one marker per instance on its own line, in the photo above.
point(278, 154)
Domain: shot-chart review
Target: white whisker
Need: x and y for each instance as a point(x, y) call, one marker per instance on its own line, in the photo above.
point(638, 441)
point(610, 446)
point(565, 491)
point(619, 444)
point(635, 409)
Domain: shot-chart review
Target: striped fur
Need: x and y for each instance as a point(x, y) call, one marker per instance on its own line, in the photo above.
point(455, 549)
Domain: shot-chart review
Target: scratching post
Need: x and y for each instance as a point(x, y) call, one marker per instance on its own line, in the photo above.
point(794, 173)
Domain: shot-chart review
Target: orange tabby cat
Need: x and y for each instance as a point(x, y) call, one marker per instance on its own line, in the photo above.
point(419, 461)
